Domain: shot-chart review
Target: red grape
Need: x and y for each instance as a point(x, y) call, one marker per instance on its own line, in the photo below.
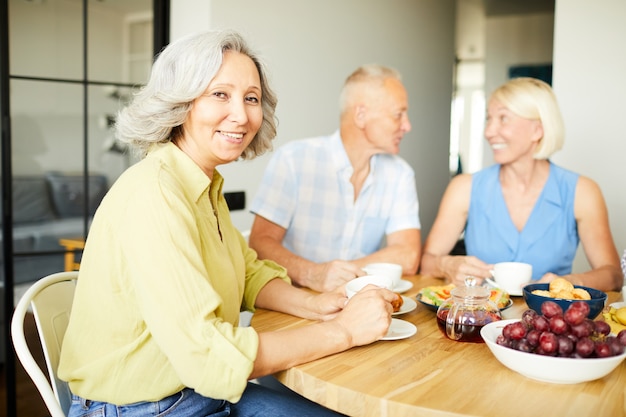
point(541, 323)
point(602, 327)
point(566, 346)
point(551, 309)
point(580, 305)
point(528, 317)
point(517, 330)
point(602, 349)
point(558, 325)
point(574, 316)
point(585, 347)
point(584, 329)
point(506, 332)
point(533, 337)
point(616, 346)
point(621, 336)
point(548, 342)
point(524, 346)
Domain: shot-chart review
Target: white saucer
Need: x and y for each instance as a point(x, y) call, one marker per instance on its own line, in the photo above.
point(407, 305)
point(403, 286)
point(400, 329)
point(493, 284)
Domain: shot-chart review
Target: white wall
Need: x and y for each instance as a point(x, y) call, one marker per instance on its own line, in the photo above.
point(588, 78)
point(525, 39)
point(311, 47)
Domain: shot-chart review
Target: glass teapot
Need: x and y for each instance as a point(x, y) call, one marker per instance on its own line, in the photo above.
point(467, 310)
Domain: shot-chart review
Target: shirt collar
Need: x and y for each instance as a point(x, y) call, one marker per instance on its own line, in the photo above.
point(339, 154)
point(194, 181)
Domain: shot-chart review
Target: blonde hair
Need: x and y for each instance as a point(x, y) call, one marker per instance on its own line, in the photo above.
point(534, 99)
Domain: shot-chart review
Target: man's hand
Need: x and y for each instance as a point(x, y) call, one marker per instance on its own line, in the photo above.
point(331, 275)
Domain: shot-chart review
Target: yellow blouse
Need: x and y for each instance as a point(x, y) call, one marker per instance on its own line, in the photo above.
point(162, 280)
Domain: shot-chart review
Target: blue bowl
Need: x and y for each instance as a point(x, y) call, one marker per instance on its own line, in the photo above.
point(596, 304)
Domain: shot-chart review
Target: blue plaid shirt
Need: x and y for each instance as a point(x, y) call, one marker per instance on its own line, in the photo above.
point(306, 189)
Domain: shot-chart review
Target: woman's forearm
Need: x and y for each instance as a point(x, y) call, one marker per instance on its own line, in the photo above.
point(604, 278)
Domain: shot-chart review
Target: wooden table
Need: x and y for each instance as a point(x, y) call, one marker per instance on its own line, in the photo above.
point(430, 375)
point(71, 245)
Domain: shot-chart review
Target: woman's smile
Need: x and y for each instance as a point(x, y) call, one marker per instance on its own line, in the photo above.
point(236, 138)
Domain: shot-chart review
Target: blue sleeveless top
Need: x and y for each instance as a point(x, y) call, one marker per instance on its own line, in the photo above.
point(550, 237)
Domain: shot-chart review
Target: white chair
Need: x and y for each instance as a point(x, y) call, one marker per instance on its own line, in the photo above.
point(51, 301)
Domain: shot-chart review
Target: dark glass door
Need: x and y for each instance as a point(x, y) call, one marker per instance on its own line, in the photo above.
point(67, 66)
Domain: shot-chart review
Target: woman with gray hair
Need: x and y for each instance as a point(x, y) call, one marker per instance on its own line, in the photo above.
point(164, 273)
point(524, 208)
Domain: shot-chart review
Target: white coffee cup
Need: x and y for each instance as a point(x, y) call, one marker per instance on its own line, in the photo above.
point(357, 284)
point(512, 276)
point(393, 271)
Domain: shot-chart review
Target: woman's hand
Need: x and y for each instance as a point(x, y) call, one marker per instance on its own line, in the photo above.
point(325, 306)
point(364, 319)
point(575, 279)
point(457, 268)
point(547, 278)
point(367, 315)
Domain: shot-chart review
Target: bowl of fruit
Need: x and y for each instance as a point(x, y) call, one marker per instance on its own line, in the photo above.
point(557, 346)
point(564, 294)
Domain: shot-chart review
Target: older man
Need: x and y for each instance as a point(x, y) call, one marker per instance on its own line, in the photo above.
point(327, 206)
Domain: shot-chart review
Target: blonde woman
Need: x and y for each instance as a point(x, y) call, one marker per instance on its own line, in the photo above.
point(523, 208)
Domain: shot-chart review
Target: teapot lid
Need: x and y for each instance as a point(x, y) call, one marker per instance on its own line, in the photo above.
point(473, 292)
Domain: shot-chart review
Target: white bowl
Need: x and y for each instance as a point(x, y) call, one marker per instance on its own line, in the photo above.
point(354, 286)
point(547, 368)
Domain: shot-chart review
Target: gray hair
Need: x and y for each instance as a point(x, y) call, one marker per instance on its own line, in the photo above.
point(370, 74)
point(181, 74)
point(534, 99)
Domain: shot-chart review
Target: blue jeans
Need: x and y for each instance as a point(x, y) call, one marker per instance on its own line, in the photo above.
point(257, 401)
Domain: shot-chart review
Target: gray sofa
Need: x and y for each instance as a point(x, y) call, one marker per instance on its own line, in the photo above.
point(45, 209)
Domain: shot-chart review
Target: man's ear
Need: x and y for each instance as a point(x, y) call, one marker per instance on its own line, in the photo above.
point(360, 116)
